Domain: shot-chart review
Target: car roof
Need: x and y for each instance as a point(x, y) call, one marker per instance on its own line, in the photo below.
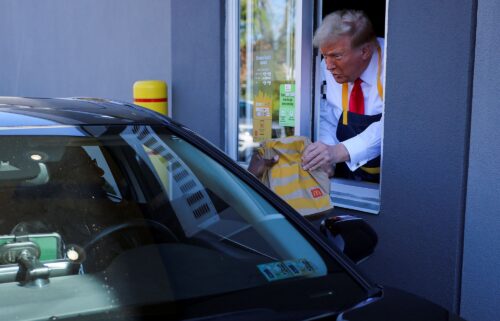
point(19, 111)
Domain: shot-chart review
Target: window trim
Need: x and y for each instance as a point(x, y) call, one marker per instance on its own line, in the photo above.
point(232, 77)
point(304, 67)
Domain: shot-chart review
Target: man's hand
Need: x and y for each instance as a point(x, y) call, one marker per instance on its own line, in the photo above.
point(328, 169)
point(318, 155)
point(258, 165)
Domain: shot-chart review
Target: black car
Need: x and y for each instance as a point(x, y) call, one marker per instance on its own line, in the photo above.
point(113, 212)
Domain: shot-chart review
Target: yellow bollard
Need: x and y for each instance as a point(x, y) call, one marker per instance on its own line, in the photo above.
point(151, 94)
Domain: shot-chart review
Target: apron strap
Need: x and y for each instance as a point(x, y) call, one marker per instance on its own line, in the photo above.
point(345, 103)
point(371, 170)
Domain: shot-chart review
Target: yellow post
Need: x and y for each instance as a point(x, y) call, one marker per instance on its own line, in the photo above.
point(151, 94)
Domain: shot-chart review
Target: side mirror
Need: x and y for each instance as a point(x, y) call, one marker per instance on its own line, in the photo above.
point(352, 235)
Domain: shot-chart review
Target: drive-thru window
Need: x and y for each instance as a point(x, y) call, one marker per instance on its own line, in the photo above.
point(273, 78)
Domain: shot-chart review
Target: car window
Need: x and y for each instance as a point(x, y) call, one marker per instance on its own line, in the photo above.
point(140, 216)
point(220, 204)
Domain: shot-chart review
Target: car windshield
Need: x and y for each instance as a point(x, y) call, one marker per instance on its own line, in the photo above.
point(99, 219)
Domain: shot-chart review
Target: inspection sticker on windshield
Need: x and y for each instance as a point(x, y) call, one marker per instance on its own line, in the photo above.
point(286, 269)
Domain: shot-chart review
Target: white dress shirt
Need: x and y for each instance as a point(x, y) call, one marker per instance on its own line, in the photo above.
point(366, 145)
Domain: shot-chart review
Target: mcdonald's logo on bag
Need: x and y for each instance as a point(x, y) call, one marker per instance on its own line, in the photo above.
point(316, 192)
point(308, 192)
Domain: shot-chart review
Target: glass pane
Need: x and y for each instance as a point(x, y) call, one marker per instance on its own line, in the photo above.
point(267, 73)
point(139, 221)
point(182, 217)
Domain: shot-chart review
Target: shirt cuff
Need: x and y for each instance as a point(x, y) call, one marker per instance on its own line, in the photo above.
point(357, 153)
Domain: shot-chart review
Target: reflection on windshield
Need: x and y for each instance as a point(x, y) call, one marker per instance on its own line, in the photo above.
point(141, 212)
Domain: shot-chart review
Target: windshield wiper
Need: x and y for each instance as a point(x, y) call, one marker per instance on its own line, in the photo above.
point(241, 245)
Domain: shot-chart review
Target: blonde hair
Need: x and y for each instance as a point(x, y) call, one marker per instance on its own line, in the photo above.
point(353, 23)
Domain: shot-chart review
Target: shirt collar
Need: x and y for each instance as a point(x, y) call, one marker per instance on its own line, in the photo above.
point(369, 75)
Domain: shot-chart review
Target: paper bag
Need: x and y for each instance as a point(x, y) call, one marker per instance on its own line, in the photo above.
point(308, 192)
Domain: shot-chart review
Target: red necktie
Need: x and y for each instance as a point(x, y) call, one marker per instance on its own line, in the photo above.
point(357, 100)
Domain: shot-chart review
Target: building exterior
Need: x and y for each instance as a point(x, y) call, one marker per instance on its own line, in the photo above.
point(437, 218)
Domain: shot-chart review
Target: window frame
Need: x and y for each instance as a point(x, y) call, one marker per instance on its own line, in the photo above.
point(345, 193)
point(364, 196)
